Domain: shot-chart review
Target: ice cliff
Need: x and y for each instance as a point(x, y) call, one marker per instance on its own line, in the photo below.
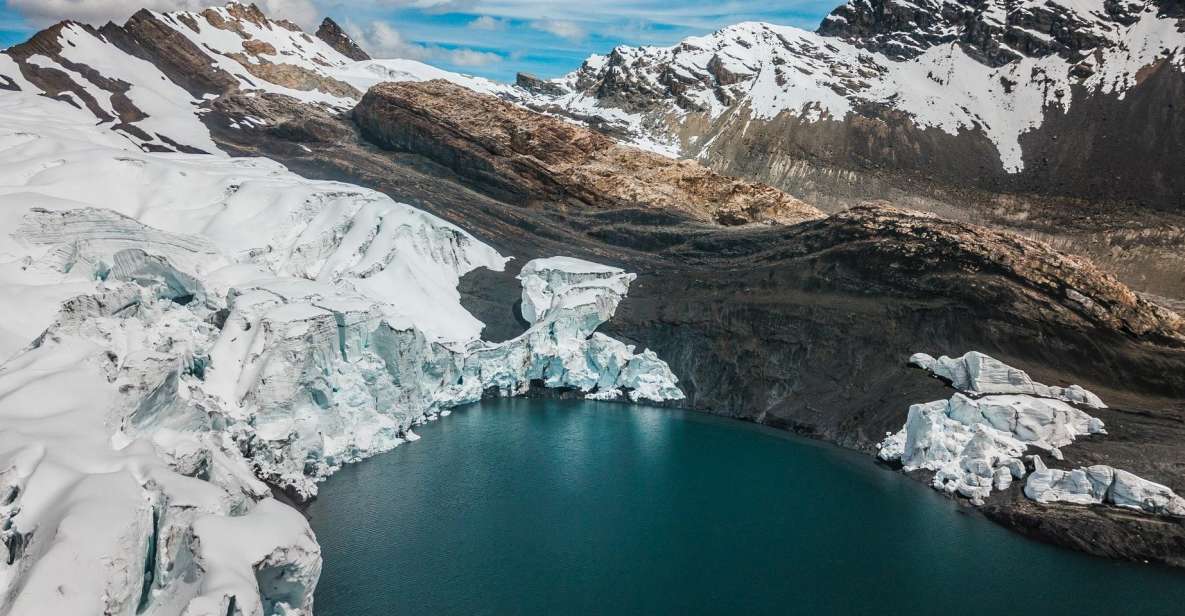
point(186, 332)
point(976, 373)
point(1101, 484)
point(974, 442)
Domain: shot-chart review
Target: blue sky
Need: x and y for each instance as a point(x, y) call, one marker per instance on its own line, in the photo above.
point(494, 38)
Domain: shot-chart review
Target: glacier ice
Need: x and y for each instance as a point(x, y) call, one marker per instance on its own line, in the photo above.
point(974, 442)
point(977, 373)
point(1099, 484)
point(185, 332)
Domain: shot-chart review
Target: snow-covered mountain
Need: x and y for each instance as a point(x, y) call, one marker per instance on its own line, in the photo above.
point(151, 79)
point(1033, 95)
point(185, 332)
point(999, 96)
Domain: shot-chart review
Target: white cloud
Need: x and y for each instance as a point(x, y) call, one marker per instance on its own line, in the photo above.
point(485, 22)
point(560, 27)
point(301, 12)
point(44, 12)
point(470, 57)
point(381, 40)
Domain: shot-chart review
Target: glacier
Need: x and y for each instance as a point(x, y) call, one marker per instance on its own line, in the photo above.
point(974, 442)
point(1100, 484)
point(186, 334)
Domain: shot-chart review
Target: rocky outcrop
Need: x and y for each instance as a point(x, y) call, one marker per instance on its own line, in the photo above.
point(291, 75)
point(176, 56)
point(527, 157)
point(335, 37)
point(995, 32)
point(536, 85)
point(914, 248)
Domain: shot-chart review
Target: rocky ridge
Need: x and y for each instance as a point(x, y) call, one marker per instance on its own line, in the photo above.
point(526, 157)
point(148, 78)
point(335, 37)
point(994, 32)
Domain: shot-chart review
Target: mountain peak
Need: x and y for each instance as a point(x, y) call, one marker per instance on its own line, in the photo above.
point(335, 37)
point(994, 32)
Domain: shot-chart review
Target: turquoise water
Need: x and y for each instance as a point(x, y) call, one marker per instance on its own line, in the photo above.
point(547, 507)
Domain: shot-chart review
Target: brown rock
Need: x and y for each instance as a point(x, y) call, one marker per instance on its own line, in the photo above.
point(295, 77)
point(257, 47)
point(531, 157)
point(183, 62)
point(915, 250)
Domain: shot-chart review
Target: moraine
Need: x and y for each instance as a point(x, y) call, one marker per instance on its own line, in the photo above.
point(534, 506)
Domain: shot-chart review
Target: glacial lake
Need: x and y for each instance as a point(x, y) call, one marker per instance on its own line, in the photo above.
point(560, 507)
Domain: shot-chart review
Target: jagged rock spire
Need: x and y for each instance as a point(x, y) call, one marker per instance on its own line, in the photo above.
point(335, 37)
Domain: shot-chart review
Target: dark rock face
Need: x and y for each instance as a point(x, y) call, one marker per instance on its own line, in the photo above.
point(900, 30)
point(1111, 148)
point(185, 64)
point(536, 85)
point(995, 32)
point(1106, 148)
point(337, 38)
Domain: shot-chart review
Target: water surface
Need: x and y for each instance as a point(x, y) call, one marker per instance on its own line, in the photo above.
point(549, 507)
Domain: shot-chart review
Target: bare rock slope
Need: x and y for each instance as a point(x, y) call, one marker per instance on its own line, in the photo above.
point(526, 156)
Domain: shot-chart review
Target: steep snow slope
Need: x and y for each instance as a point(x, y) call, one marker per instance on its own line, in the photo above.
point(924, 66)
point(181, 328)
